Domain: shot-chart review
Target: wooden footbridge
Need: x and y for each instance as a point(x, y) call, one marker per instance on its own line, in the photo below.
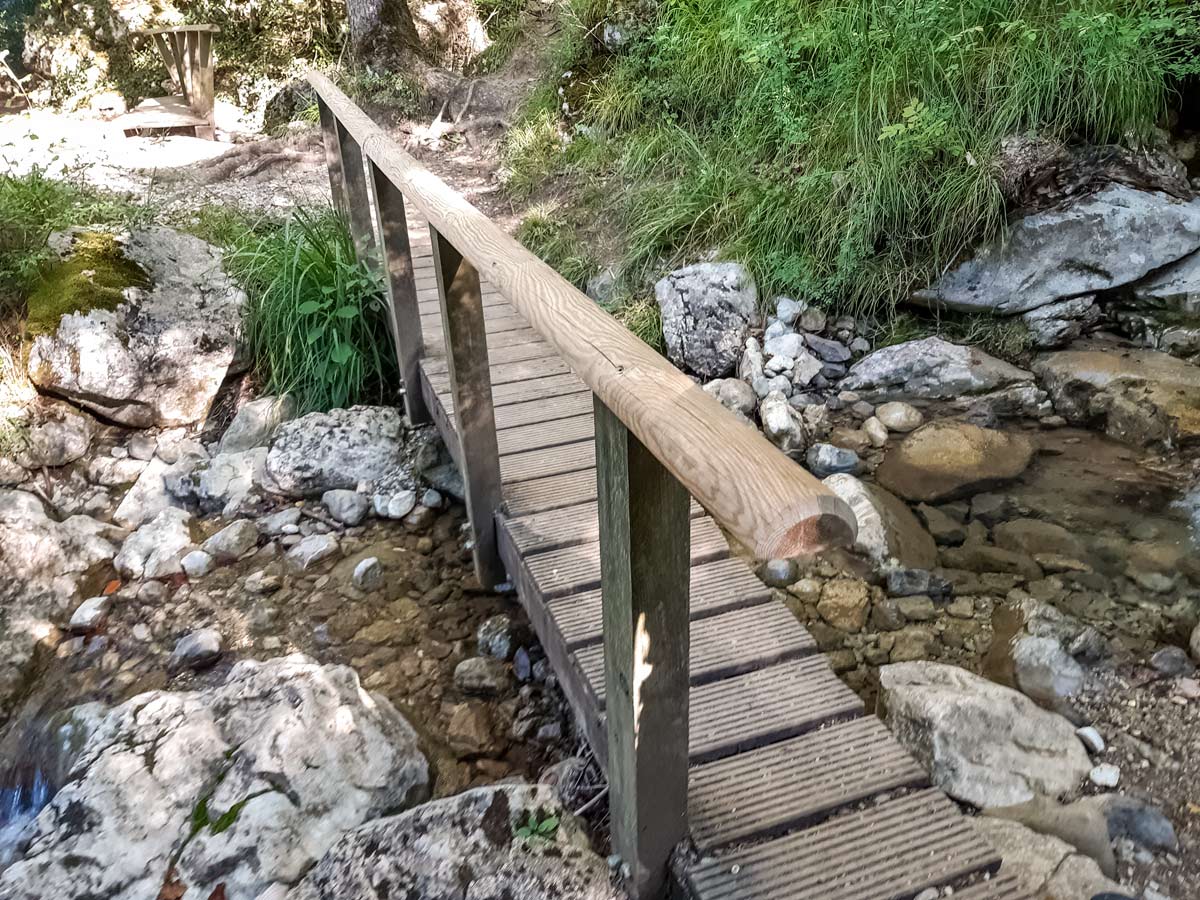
point(603, 482)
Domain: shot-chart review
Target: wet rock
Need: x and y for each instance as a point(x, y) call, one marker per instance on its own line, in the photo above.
point(469, 845)
point(368, 575)
point(929, 368)
point(484, 676)
point(159, 358)
point(915, 582)
point(779, 572)
point(845, 604)
point(825, 459)
point(196, 564)
point(59, 434)
point(347, 507)
point(1102, 241)
point(233, 541)
point(1082, 825)
point(887, 529)
point(981, 558)
point(1030, 536)
point(783, 425)
point(944, 528)
point(339, 449)
point(1045, 866)
point(981, 743)
point(1135, 820)
point(707, 312)
point(1171, 661)
point(90, 614)
point(735, 395)
point(287, 756)
point(255, 423)
point(1138, 396)
point(312, 550)
point(1044, 671)
point(197, 650)
point(946, 459)
point(156, 549)
point(900, 417)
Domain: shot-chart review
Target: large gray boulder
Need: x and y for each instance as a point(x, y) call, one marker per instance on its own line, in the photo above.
point(1103, 241)
point(246, 784)
point(158, 358)
point(1176, 286)
point(981, 743)
point(340, 449)
point(707, 312)
point(467, 846)
point(929, 368)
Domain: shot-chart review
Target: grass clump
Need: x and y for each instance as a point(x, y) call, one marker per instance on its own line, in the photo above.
point(316, 320)
point(844, 148)
point(95, 275)
point(547, 234)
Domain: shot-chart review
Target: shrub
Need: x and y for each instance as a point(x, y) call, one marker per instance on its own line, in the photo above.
point(843, 148)
point(316, 319)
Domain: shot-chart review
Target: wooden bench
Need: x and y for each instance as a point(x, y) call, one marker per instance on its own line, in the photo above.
point(739, 766)
point(187, 51)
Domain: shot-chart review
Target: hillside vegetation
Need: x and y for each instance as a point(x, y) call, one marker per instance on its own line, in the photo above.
point(844, 150)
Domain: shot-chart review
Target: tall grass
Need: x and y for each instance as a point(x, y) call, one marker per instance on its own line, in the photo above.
point(316, 318)
point(844, 148)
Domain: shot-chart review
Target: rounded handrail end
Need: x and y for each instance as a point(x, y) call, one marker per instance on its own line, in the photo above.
point(823, 522)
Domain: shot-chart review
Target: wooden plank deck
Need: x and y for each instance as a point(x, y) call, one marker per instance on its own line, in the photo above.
point(794, 792)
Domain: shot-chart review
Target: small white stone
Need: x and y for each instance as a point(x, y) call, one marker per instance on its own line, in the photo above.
point(899, 417)
point(368, 574)
point(141, 632)
point(401, 504)
point(432, 499)
point(876, 431)
point(1091, 739)
point(197, 564)
point(89, 614)
point(1105, 775)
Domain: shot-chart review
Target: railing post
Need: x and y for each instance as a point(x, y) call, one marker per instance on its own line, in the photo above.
point(471, 387)
point(333, 156)
point(644, 565)
point(402, 291)
point(361, 225)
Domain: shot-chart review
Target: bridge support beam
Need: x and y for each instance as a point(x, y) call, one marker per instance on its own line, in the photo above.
point(644, 565)
point(471, 386)
point(362, 227)
point(333, 157)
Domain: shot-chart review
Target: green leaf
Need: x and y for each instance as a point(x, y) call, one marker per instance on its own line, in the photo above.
point(549, 826)
point(308, 307)
point(315, 334)
point(346, 312)
point(341, 354)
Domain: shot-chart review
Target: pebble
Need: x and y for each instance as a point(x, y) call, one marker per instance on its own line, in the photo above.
point(142, 446)
point(788, 310)
point(90, 614)
point(432, 499)
point(482, 676)
point(876, 432)
point(1188, 688)
point(779, 572)
point(232, 541)
point(313, 549)
point(1105, 775)
point(286, 521)
point(141, 632)
point(830, 351)
point(400, 505)
point(1091, 739)
point(863, 409)
point(368, 575)
point(197, 564)
point(1171, 661)
point(347, 507)
point(826, 459)
point(900, 417)
point(197, 650)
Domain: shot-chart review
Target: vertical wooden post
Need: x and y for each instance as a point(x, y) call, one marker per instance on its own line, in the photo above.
point(361, 224)
point(333, 156)
point(203, 91)
point(402, 291)
point(471, 386)
point(644, 562)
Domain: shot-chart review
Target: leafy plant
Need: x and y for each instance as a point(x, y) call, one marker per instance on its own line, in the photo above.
point(316, 318)
point(537, 828)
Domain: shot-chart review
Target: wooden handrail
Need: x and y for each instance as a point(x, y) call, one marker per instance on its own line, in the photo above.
point(761, 497)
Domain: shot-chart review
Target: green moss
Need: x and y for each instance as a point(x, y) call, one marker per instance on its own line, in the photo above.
point(94, 276)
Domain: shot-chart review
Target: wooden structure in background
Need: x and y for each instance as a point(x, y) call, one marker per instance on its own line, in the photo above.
point(739, 766)
point(187, 52)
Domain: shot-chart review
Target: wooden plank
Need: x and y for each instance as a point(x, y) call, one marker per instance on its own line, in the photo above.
point(160, 112)
point(507, 338)
point(509, 372)
point(466, 343)
point(770, 504)
point(504, 355)
point(733, 643)
point(892, 851)
point(644, 548)
point(544, 434)
point(498, 314)
point(575, 569)
point(532, 464)
point(554, 492)
point(717, 587)
point(523, 391)
point(551, 409)
point(562, 527)
point(759, 708)
point(402, 298)
point(797, 782)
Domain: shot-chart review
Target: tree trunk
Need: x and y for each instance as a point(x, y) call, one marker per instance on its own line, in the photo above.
point(382, 32)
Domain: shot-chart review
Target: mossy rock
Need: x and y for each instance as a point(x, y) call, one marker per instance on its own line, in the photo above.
point(94, 276)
